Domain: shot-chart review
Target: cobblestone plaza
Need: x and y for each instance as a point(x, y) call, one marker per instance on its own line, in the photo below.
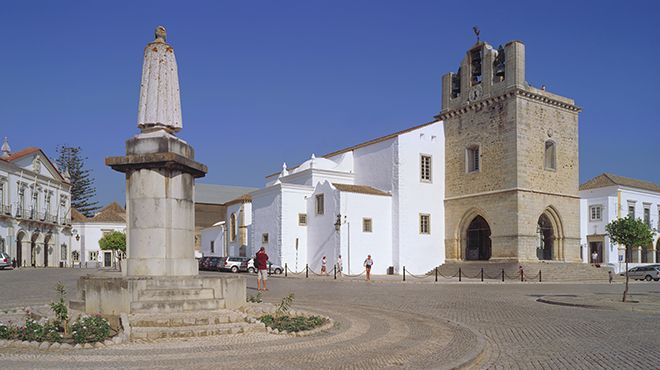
point(390, 324)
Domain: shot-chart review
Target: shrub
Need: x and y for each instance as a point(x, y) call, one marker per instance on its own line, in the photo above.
point(292, 323)
point(88, 329)
point(284, 306)
point(255, 298)
point(60, 308)
point(32, 331)
point(8, 331)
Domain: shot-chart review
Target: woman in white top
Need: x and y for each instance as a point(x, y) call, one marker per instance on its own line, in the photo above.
point(367, 266)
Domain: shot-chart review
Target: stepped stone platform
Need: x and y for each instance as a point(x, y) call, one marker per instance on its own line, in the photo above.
point(112, 295)
point(551, 271)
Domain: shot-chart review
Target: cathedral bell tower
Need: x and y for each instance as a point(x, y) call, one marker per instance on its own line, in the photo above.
point(511, 162)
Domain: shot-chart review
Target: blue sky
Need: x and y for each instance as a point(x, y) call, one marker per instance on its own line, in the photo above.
point(264, 82)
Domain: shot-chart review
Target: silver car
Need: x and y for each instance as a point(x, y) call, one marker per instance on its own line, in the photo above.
point(5, 261)
point(647, 273)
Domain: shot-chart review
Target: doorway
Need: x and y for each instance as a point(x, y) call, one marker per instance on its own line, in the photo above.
point(596, 247)
point(546, 238)
point(478, 240)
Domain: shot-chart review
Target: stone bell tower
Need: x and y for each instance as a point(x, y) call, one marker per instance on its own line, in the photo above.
point(511, 162)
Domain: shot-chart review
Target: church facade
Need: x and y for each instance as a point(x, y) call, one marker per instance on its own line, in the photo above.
point(494, 178)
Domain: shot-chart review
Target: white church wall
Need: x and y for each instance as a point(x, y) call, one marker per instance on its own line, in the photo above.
point(355, 207)
point(420, 252)
point(266, 218)
point(216, 235)
point(344, 162)
point(374, 165)
point(322, 237)
point(294, 202)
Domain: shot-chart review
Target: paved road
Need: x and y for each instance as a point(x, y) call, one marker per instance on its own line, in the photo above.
point(390, 325)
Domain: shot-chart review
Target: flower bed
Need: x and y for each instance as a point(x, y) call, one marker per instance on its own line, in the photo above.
point(292, 324)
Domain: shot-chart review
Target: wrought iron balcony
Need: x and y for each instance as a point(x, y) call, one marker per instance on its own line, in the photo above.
point(32, 214)
point(51, 218)
point(41, 216)
point(6, 209)
point(20, 212)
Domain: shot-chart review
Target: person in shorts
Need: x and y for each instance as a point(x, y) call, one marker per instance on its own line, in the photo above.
point(324, 266)
point(367, 266)
point(339, 265)
point(261, 263)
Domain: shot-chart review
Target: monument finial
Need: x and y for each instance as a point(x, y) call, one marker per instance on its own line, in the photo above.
point(476, 31)
point(6, 150)
point(160, 34)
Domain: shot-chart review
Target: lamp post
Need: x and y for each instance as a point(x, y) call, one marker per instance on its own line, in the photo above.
point(338, 224)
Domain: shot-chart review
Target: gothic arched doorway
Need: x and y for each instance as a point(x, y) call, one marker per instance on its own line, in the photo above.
point(546, 238)
point(478, 240)
point(19, 249)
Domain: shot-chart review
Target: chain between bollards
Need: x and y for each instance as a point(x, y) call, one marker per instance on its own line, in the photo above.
point(286, 270)
point(404, 273)
point(459, 274)
point(306, 270)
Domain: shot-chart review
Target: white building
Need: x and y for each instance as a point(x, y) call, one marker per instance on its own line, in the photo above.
point(383, 197)
point(88, 231)
point(607, 197)
point(35, 206)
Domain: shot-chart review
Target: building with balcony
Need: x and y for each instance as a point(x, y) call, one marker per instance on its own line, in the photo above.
point(35, 204)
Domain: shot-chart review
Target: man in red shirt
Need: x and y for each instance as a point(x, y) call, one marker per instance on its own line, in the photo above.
point(261, 264)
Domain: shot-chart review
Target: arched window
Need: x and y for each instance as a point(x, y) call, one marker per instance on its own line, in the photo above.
point(550, 155)
point(232, 227)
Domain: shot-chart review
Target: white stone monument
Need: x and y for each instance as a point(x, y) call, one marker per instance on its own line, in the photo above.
point(160, 273)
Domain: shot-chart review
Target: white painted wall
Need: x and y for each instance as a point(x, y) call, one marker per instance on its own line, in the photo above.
point(420, 253)
point(294, 202)
point(322, 237)
point(217, 235)
point(266, 218)
point(90, 233)
point(378, 243)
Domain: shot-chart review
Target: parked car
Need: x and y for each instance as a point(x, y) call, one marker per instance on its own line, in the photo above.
point(235, 264)
point(211, 263)
point(5, 261)
point(272, 268)
point(647, 273)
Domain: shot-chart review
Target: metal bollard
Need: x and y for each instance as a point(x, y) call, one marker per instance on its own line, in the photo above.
point(522, 275)
point(286, 270)
point(306, 270)
point(459, 274)
point(502, 275)
point(540, 276)
point(482, 274)
point(404, 273)
point(335, 268)
point(436, 274)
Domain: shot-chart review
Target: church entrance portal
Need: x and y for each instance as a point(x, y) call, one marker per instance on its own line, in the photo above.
point(478, 240)
point(546, 238)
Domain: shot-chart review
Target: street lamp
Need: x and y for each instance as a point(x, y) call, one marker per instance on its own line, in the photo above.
point(338, 223)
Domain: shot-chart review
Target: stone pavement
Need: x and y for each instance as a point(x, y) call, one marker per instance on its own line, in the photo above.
point(391, 324)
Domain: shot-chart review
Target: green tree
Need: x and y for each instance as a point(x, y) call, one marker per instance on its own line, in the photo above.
point(114, 241)
point(70, 160)
point(629, 232)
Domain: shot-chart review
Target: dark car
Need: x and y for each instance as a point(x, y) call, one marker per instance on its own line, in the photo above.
point(211, 263)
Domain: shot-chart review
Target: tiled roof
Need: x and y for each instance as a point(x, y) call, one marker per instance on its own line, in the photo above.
point(113, 212)
point(77, 216)
point(245, 198)
point(21, 153)
point(608, 179)
point(362, 189)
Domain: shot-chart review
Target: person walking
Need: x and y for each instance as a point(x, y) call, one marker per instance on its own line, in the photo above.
point(594, 258)
point(610, 276)
point(261, 263)
point(339, 265)
point(324, 266)
point(367, 266)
